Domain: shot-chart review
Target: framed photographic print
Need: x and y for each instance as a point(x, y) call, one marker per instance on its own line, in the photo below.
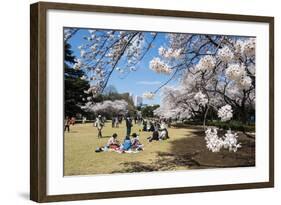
point(134, 102)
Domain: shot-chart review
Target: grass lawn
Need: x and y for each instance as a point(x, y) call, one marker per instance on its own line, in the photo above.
point(184, 150)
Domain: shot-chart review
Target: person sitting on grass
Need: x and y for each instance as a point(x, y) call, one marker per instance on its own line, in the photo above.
point(151, 127)
point(136, 144)
point(127, 144)
point(157, 126)
point(113, 143)
point(163, 132)
point(155, 136)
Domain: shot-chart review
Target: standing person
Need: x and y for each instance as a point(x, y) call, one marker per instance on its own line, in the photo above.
point(66, 123)
point(72, 121)
point(112, 122)
point(99, 125)
point(116, 122)
point(144, 126)
point(129, 125)
point(84, 120)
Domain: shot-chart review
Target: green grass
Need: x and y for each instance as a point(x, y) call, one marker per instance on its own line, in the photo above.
point(184, 150)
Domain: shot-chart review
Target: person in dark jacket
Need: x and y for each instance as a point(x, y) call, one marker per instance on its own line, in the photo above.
point(129, 125)
point(155, 136)
point(144, 126)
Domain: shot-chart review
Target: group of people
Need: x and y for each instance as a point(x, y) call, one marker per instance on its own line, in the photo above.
point(158, 128)
point(128, 144)
point(116, 120)
point(99, 124)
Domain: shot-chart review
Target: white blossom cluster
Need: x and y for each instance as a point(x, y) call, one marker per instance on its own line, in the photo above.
point(249, 47)
point(245, 82)
point(83, 77)
point(201, 98)
point(231, 142)
point(225, 113)
point(148, 95)
point(246, 47)
point(92, 90)
point(235, 71)
point(184, 113)
point(117, 106)
point(68, 33)
point(159, 66)
point(174, 113)
point(178, 40)
point(78, 64)
point(238, 73)
point(174, 104)
point(82, 53)
point(225, 54)
point(208, 62)
point(215, 143)
point(169, 53)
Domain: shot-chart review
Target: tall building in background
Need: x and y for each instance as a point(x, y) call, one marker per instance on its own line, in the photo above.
point(138, 101)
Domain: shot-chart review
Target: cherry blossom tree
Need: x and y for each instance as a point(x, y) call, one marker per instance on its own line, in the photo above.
point(106, 50)
point(109, 107)
point(215, 71)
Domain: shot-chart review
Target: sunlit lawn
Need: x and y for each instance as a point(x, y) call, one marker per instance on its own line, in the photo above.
point(184, 150)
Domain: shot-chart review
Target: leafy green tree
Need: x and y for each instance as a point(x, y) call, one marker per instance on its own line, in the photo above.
point(147, 111)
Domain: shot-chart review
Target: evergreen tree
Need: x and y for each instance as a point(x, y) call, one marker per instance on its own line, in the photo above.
point(74, 86)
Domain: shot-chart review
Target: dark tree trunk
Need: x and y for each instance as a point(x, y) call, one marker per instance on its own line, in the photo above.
point(243, 113)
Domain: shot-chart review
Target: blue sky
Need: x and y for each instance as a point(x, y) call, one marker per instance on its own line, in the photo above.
point(136, 82)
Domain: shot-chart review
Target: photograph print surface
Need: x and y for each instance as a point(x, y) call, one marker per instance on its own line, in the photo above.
point(145, 101)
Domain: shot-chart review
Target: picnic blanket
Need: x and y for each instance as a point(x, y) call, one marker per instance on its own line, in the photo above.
point(120, 151)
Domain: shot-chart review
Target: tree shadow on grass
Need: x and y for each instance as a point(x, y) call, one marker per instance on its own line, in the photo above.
point(107, 136)
point(191, 153)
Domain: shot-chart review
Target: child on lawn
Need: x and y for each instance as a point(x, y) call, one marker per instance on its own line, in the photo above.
point(113, 143)
point(127, 144)
point(136, 144)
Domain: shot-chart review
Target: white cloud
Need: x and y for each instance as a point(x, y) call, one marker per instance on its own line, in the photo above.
point(149, 82)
